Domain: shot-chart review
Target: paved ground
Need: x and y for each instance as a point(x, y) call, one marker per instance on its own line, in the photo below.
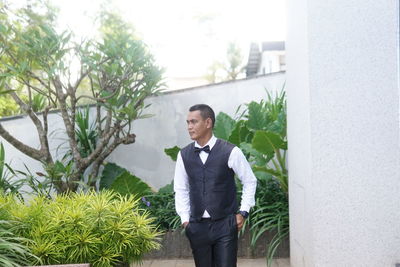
point(190, 263)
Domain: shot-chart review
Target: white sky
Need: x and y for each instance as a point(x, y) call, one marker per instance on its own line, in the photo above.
point(182, 44)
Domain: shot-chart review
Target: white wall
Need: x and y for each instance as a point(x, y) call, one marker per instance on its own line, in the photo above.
point(271, 62)
point(146, 158)
point(22, 128)
point(343, 131)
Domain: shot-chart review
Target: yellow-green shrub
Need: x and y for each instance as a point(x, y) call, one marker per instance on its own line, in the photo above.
point(98, 228)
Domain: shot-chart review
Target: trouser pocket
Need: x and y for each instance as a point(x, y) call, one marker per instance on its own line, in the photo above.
point(234, 222)
point(187, 229)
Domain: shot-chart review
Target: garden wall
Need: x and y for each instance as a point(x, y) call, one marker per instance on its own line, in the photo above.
point(146, 158)
point(174, 244)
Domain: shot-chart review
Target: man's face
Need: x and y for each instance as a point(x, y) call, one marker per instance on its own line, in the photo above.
point(197, 126)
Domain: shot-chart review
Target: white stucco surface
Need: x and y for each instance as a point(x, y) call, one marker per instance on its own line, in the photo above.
point(146, 158)
point(343, 131)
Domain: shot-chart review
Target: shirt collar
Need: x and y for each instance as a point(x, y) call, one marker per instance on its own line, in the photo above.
point(210, 142)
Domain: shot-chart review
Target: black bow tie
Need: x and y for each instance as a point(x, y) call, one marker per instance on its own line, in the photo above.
point(205, 149)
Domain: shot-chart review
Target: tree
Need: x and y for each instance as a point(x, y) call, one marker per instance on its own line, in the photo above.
point(234, 65)
point(230, 68)
point(36, 59)
point(213, 74)
point(8, 107)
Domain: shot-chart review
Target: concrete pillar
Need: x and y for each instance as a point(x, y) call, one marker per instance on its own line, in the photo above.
point(343, 132)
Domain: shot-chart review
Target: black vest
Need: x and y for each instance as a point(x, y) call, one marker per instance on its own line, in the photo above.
point(211, 185)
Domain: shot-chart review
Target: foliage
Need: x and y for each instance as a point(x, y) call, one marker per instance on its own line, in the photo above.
point(270, 213)
point(213, 74)
point(110, 172)
point(225, 126)
point(7, 183)
point(86, 139)
point(38, 102)
point(260, 131)
point(228, 69)
point(172, 152)
point(121, 181)
point(234, 64)
point(12, 181)
point(102, 229)
point(36, 72)
point(8, 107)
point(39, 183)
point(161, 205)
point(128, 184)
point(85, 132)
point(12, 252)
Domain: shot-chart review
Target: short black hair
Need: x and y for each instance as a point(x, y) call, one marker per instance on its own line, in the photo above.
point(205, 111)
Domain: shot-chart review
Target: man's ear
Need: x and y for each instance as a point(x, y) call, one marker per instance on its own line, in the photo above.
point(209, 123)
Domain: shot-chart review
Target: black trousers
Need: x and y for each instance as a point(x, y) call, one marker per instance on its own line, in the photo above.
point(214, 243)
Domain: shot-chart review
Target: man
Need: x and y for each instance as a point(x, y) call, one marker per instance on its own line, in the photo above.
point(205, 191)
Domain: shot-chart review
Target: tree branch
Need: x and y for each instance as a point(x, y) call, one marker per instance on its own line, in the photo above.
point(28, 71)
point(67, 122)
point(129, 139)
point(46, 130)
point(73, 105)
point(100, 146)
point(84, 74)
point(27, 150)
point(37, 89)
point(108, 122)
point(36, 121)
point(98, 99)
point(98, 119)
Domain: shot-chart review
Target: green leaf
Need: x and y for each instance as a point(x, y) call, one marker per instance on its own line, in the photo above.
point(128, 184)
point(59, 166)
point(145, 116)
point(267, 142)
point(172, 152)
point(3, 29)
point(266, 170)
point(224, 125)
point(2, 160)
point(110, 172)
point(253, 155)
point(256, 116)
point(239, 134)
point(168, 189)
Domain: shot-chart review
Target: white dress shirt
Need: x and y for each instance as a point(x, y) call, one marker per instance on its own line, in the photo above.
point(237, 162)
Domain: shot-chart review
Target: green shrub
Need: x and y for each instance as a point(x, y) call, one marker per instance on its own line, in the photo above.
point(161, 206)
point(12, 252)
point(102, 229)
point(7, 182)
